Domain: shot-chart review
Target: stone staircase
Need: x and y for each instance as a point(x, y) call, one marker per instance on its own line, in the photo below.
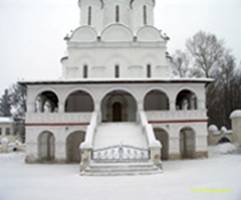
point(127, 133)
point(120, 149)
point(121, 169)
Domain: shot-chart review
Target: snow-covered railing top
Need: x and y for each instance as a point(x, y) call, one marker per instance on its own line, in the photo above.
point(4, 120)
point(90, 133)
point(235, 114)
point(152, 142)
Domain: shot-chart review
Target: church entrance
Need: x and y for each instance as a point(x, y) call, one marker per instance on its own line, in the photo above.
point(117, 112)
point(118, 106)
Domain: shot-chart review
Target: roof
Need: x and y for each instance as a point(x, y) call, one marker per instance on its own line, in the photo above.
point(6, 120)
point(117, 81)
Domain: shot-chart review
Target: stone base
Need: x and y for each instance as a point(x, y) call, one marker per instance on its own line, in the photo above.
point(32, 160)
point(198, 154)
point(174, 156)
point(201, 154)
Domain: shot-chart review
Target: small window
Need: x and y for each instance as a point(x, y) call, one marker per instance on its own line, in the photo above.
point(144, 15)
point(117, 14)
point(89, 15)
point(0, 131)
point(148, 70)
point(117, 71)
point(7, 131)
point(85, 71)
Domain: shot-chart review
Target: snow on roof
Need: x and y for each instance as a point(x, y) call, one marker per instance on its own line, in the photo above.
point(6, 120)
point(235, 114)
point(114, 80)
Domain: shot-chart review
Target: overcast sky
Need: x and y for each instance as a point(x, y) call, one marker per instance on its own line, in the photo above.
point(32, 31)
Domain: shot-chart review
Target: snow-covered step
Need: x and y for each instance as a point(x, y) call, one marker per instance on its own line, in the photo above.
point(121, 169)
point(126, 133)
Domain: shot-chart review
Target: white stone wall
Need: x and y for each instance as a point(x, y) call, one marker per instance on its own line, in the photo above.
point(98, 91)
point(132, 60)
point(60, 134)
point(130, 43)
point(104, 13)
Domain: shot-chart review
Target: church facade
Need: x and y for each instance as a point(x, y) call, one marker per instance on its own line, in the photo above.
point(116, 103)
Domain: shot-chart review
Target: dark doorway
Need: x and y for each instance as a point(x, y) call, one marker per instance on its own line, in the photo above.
point(187, 143)
point(117, 112)
point(73, 142)
point(162, 136)
point(118, 106)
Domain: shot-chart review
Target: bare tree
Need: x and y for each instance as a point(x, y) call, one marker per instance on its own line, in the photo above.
point(206, 51)
point(222, 94)
point(180, 64)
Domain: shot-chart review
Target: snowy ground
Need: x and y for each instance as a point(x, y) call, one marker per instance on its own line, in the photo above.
point(19, 181)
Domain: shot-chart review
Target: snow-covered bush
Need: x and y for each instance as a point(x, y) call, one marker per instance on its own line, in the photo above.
point(213, 129)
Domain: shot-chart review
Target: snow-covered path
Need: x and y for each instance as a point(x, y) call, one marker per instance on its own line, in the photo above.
point(19, 181)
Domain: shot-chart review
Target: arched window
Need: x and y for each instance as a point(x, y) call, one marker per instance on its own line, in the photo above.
point(144, 15)
point(117, 71)
point(46, 102)
point(186, 100)
point(148, 71)
point(79, 101)
point(85, 71)
point(89, 15)
point(156, 100)
point(117, 14)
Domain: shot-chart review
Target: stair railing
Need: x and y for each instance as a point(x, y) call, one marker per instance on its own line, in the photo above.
point(86, 148)
point(153, 143)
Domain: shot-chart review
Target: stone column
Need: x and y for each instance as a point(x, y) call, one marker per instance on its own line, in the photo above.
point(172, 105)
point(61, 107)
point(174, 148)
point(31, 107)
point(60, 151)
point(236, 126)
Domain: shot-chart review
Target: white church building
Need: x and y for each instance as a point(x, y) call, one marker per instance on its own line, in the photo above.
point(116, 108)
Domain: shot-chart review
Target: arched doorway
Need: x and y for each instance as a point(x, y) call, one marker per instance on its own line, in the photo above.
point(79, 101)
point(46, 146)
point(73, 142)
point(187, 143)
point(118, 106)
point(162, 136)
point(156, 100)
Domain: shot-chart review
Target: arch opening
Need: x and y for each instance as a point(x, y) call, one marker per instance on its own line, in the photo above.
point(156, 100)
point(46, 102)
point(79, 101)
point(73, 141)
point(118, 106)
point(187, 143)
point(186, 100)
point(46, 147)
point(162, 136)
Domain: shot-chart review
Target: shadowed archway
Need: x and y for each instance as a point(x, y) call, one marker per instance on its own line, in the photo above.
point(73, 142)
point(187, 143)
point(46, 146)
point(162, 136)
point(118, 106)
